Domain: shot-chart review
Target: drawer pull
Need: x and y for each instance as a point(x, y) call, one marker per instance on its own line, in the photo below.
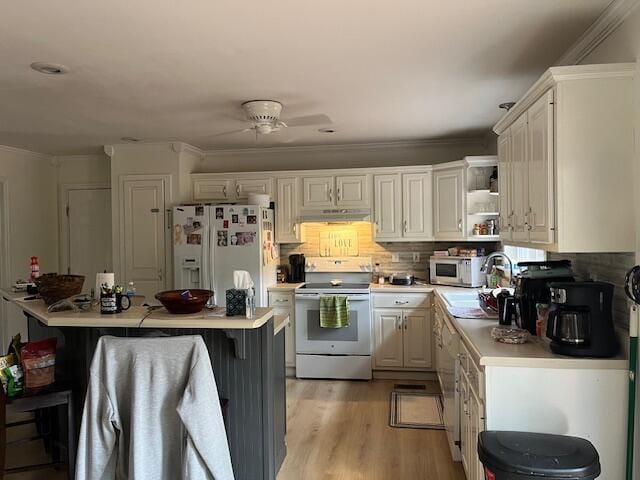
point(401, 302)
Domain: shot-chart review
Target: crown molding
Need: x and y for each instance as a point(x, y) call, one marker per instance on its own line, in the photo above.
point(24, 151)
point(183, 147)
point(610, 19)
point(348, 146)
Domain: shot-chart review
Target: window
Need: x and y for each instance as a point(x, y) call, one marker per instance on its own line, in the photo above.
point(521, 254)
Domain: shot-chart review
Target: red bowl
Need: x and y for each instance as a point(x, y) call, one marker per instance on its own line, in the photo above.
point(175, 302)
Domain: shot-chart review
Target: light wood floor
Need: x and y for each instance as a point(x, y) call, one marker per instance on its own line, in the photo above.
point(339, 430)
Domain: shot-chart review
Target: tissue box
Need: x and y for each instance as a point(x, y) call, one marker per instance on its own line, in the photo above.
point(236, 302)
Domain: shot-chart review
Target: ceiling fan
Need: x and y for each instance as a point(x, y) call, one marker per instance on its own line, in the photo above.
point(264, 117)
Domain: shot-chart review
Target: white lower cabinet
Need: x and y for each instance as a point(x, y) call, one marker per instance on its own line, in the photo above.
point(472, 414)
point(283, 304)
point(402, 336)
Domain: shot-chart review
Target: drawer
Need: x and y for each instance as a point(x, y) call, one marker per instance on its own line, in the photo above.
point(403, 300)
point(280, 299)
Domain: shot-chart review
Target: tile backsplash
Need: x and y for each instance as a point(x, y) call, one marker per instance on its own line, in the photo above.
point(380, 252)
point(604, 267)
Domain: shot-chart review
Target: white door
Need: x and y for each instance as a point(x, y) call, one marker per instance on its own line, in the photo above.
point(449, 204)
point(287, 211)
point(88, 236)
point(540, 174)
point(387, 324)
point(213, 189)
point(143, 214)
point(417, 338)
point(504, 184)
point(352, 191)
point(387, 207)
point(245, 186)
point(317, 192)
point(417, 208)
point(519, 183)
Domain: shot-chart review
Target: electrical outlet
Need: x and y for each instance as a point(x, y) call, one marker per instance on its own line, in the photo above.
point(395, 257)
point(416, 256)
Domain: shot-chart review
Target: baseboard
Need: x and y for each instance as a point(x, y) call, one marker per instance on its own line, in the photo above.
point(404, 375)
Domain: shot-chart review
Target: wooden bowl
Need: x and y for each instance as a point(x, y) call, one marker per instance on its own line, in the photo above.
point(175, 302)
point(53, 287)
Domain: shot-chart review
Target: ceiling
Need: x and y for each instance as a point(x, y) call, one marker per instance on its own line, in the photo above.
point(165, 70)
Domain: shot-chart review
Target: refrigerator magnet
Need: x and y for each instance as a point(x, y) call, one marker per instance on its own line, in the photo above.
point(234, 218)
point(200, 211)
point(223, 238)
point(251, 219)
point(219, 213)
point(225, 224)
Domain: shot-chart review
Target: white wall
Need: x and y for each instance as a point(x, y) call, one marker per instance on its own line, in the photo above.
point(332, 156)
point(32, 222)
point(623, 45)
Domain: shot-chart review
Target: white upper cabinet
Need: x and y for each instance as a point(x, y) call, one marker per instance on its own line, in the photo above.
point(504, 186)
point(448, 206)
point(318, 192)
point(245, 186)
point(417, 219)
point(352, 191)
point(519, 187)
point(213, 189)
point(568, 147)
point(287, 212)
point(387, 207)
point(540, 174)
point(224, 188)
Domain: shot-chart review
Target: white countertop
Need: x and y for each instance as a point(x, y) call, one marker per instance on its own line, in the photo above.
point(137, 317)
point(536, 353)
point(388, 288)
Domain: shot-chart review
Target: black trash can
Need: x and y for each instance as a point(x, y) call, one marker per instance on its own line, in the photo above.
point(524, 456)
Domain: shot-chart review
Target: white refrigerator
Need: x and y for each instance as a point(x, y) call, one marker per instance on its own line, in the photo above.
point(211, 241)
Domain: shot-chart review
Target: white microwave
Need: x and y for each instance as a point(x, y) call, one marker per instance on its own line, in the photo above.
point(457, 271)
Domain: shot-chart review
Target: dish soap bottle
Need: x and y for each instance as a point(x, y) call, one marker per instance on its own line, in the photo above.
point(494, 278)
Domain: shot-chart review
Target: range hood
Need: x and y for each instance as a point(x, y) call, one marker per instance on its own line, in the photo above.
point(336, 215)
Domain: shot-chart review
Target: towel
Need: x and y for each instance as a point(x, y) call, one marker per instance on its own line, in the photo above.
point(334, 311)
point(242, 280)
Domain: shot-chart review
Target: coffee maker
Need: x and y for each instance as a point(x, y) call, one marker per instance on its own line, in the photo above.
point(532, 287)
point(297, 263)
point(580, 321)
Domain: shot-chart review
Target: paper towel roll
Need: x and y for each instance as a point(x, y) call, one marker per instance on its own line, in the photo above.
point(104, 278)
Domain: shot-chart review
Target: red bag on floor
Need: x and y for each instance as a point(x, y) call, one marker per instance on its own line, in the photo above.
point(39, 363)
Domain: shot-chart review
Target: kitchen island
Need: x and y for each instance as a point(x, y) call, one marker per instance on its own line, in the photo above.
point(247, 356)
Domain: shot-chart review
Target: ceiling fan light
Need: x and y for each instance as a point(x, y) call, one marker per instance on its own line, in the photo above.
point(264, 129)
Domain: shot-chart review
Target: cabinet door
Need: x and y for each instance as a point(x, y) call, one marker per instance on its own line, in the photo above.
point(213, 189)
point(417, 208)
point(142, 213)
point(476, 425)
point(504, 183)
point(317, 192)
point(387, 207)
point(287, 211)
point(417, 338)
point(352, 191)
point(541, 171)
point(387, 324)
point(464, 423)
point(519, 182)
point(449, 204)
point(245, 186)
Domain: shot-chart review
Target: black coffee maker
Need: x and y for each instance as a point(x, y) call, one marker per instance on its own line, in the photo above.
point(297, 263)
point(580, 320)
point(532, 287)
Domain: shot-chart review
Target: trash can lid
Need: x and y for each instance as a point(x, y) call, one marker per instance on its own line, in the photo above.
point(539, 454)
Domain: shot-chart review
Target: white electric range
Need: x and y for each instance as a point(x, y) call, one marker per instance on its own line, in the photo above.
point(341, 353)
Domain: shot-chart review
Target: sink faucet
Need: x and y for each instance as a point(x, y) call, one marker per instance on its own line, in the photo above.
point(493, 255)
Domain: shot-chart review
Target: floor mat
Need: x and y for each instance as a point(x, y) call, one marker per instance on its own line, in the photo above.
point(416, 410)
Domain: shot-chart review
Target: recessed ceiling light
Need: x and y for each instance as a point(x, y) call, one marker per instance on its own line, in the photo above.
point(326, 130)
point(50, 68)
point(130, 139)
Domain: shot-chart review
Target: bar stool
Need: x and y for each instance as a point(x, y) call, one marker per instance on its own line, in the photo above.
point(38, 403)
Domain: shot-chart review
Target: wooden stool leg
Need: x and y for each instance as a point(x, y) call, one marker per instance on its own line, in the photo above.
point(71, 442)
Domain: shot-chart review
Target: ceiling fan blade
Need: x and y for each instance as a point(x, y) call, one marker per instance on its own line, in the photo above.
point(231, 132)
point(307, 121)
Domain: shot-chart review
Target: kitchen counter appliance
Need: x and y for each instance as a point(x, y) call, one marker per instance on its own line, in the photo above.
point(401, 279)
point(296, 264)
point(457, 271)
point(580, 321)
point(341, 353)
point(532, 287)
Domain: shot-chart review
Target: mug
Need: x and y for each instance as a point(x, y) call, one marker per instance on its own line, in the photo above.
point(108, 303)
point(120, 302)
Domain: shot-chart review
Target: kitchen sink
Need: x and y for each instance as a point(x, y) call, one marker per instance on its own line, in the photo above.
point(469, 299)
